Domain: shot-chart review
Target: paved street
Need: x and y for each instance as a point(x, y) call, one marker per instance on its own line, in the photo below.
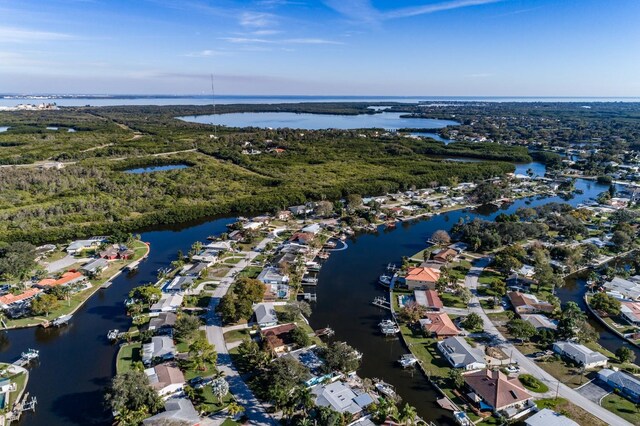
point(215, 334)
point(527, 364)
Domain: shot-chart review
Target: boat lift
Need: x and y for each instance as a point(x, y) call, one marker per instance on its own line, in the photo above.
point(381, 302)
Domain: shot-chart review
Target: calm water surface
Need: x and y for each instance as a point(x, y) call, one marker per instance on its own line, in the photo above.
point(384, 120)
point(156, 168)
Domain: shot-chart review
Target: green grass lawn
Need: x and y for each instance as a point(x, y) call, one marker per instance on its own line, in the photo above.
point(622, 407)
point(127, 356)
point(426, 350)
point(235, 335)
point(200, 301)
point(532, 383)
point(487, 276)
point(251, 271)
point(452, 301)
point(208, 403)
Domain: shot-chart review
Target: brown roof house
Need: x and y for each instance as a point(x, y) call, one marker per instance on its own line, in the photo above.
point(439, 324)
point(278, 338)
point(524, 303)
point(422, 278)
point(494, 391)
point(166, 379)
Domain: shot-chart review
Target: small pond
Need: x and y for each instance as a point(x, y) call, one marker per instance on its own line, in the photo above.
point(3, 129)
point(152, 169)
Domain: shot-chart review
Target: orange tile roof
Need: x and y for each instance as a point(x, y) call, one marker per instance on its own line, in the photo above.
point(8, 299)
point(422, 273)
point(440, 324)
point(64, 279)
point(433, 300)
point(496, 389)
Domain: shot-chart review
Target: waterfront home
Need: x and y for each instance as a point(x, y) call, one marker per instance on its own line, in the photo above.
point(527, 271)
point(6, 387)
point(421, 278)
point(547, 417)
point(493, 390)
point(162, 323)
point(524, 303)
point(9, 300)
point(116, 251)
point(207, 256)
point(278, 338)
point(439, 325)
point(95, 267)
point(168, 303)
point(277, 282)
point(342, 398)
point(220, 246)
point(79, 246)
point(308, 357)
point(301, 210)
point(67, 279)
point(540, 321)
point(284, 257)
point(625, 383)
point(178, 284)
point(176, 411)
point(460, 354)
point(303, 238)
point(459, 247)
point(311, 229)
point(429, 299)
point(236, 235)
point(444, 255)
point(195, 270)
point(624, 289)
point(284, 215)
point(161, 347)
point(252, 226)
point(265, 315)
point(580, 354)
point(630, 311)
point(294, 248)
point(166, 379)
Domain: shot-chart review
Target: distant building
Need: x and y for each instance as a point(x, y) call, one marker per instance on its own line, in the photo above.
point(178, 284)
point(278, 338)
point(66, 279)
point(9, 299)
point(163, 323)
point(580, 354)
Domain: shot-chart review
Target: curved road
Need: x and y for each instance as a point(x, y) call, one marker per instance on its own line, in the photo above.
point(471, 282)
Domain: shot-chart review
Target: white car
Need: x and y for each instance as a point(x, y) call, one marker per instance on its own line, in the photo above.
point(513, 369)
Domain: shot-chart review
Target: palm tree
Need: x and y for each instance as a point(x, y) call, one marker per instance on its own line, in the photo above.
point(408, 415)
point(234, 409)
point(305, 399)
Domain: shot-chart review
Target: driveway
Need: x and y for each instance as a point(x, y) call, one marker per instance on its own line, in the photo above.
point(593, 391)
point(527, 364)
point(64, 263)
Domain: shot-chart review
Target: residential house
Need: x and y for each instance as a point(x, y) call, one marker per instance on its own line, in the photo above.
point(161, 347)
point(499, 393)
point(340, 397)
point(110, 253)
point(300, 210)
point(9, 299)
point(67, 278)
point(459, 247)
point(277, 282)
point(630, 311)
point(95, 267)
point(6, 387)
point(220, 246)
point(285, 257)
point(439, 324)
point(623, 289)
point(284, 215)
point(625, 383)
point(265, 315)
point(79, 246)
point(236, 235)
point(177, 411)
point(166, 379)
point(422, 277)
point(547, 417)
point(168, 303)
point(311, 229)
point(207, 256)
point(429, 299)
point(524, 303)
point(162, 323)
point(526, 271)
point(461, 355)
point(580, 354)
point(195, 270)
point(444, 255)
point(252, 226)
point(303, 238)
point(178, 284)
point(278, 338)
point(540, 321)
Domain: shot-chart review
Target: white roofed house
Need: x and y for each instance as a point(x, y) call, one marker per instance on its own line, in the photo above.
point(160, 347)
point(265, 315)
point(547, 417)
point(178, 284)
point(94, 268)
point(630, 311)
point(276, 281)
point(540, 321)
point(207, 256)
point(168, 303)
point(580, 354)
point(220, 245)
point(177, 411)
point(80, 245)
point(461, 355)
point(624, 289)
point(342, 398)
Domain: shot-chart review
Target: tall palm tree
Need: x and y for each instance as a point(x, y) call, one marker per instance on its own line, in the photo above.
point(408, 415)
point(234, 409)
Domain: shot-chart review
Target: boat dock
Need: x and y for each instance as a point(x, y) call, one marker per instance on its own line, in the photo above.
point(381, 302)
point(27, 357)
point(25, 404)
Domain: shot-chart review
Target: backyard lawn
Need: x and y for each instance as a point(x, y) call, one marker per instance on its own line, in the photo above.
point(128, 355)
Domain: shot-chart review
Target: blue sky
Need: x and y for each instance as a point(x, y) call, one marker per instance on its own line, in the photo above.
point(330, 47)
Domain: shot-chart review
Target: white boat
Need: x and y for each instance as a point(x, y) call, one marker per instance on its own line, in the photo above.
point(407, 360)
point(386, 389)
point(113, 334)
point(389, 327)
point(385, 280)
point(386, 323)
point(30, 354)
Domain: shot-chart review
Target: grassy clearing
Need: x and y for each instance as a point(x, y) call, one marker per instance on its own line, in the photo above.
point(127, 356)
point(208, 403)
point(235, 335)
point(426, 350)
point(532, 383)
point(452, 301)
point(622, 407)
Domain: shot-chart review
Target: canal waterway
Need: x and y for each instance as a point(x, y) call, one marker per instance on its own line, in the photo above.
point(77, 362)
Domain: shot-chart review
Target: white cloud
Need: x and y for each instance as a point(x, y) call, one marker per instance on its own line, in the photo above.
point(23, 35)
point(263, 41)
point(205, 53)
point(258, 20)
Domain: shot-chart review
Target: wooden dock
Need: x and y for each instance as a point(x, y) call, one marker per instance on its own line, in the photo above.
point(381, 302)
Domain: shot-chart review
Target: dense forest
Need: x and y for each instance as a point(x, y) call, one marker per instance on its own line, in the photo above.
point(68, 184)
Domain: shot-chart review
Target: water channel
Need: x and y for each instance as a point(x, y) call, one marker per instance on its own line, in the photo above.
point(77, 361)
